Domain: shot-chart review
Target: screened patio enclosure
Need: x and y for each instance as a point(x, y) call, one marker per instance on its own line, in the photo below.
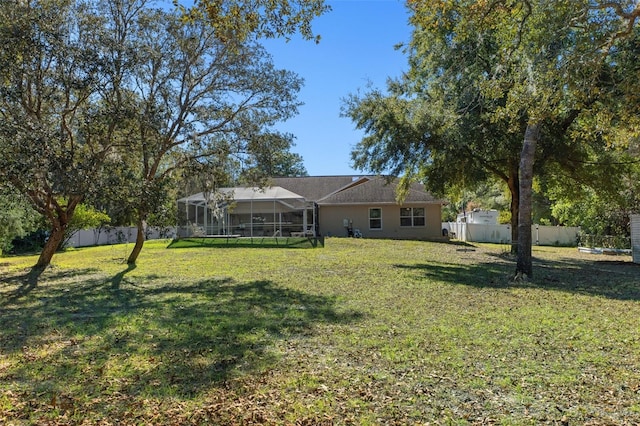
point(246, 212)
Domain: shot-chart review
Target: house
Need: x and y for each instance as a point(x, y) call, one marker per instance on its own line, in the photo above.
point(367, 205)
point(318, 205)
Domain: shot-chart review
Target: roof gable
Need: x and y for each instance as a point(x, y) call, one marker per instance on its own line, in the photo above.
point(377, 190)
point(327, 190)
point(314, 188)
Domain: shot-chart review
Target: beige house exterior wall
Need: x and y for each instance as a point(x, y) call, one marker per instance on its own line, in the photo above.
point(331, 219)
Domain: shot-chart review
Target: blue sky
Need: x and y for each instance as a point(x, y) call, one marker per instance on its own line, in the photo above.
point(357, 47)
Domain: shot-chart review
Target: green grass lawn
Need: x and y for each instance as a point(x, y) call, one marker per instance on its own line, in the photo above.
point(357, 332)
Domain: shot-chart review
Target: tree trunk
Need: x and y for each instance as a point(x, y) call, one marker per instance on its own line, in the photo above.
point(51, 246)
point(59, 216)
point(137, 248)
point(514, 189)
point(524, 267)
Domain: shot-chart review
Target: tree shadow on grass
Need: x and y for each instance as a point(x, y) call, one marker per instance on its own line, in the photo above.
point(460, 243)
point(18, 285)
point(26, 283)
point(613, 279)
point(116, 281)
point(152, 339)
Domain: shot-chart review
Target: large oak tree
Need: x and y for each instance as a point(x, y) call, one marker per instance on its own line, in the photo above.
point(53, 146)
point(200, 99)
point(497, 81)
point(89, 98)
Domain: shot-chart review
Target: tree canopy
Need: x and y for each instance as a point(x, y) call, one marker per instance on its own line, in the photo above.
point(198, 98)
point(240, 20)
point(109, 100)
point(495, 85)
point(52, 79)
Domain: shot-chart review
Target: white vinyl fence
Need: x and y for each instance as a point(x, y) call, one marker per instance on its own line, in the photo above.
point(635, 237)
point(501, 234)
point(116, 235)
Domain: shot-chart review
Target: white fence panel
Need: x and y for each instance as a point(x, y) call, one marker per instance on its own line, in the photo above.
point(555, 235)
point(479, 232)
point(635, 237)
point(482, 233)
point(116, 235)
point(501, 234)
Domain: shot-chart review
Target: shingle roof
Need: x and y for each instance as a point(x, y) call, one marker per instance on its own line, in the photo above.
point(376, 190)
point(352, 190)
point(313, 188)
point(327, 190)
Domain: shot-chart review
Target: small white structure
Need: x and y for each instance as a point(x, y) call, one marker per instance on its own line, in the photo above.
point(487, 217)
point(635, 237)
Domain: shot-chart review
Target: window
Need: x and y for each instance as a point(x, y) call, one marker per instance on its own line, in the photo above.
point(375, 218)
point(412, 216)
